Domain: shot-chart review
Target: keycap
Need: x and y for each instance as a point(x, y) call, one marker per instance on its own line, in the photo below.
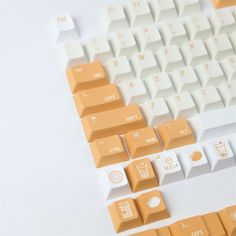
point(113, 17)
point(141, 175)
point(71, 53)
point(163, 231)
point(98, 48)
point(195, 52)
point(176, 133)
point(86, 76)
point(233, 39)
point(152, 207)
point(114, 182)
point(97, 99)
point(223, 3)
point(63, 28)
point(188, 7)
point(193, 226)
point(228, 218)
point(207, 99)
point(228, 93)
point(108, 151)
point(229, 67)
point(156, 112)
point(194, 161)
point(139, 13)
point(124, 215)
point(209, 125)
point(150, 232)
point(116, 121)
point(142, 142)
point(220, 154)
point(167, 168)
point(119, 69)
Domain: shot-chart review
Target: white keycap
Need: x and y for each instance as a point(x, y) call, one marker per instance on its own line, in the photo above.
point(223, 21)
point(195, 52)
point(220, 155)
point(188, 7)
point(167, 168)
point(113, 17)
point(233, 40)
point(210, 124)
point(149, 38)
point(145, 64)
point(170, 58)
point(160, 85)
point(219, 47)
point(210, 73)
point(124, 43)
point(207, 99)
point(139, 13)
point(229, 67)
point(114, 182)
point(194, 162)
point(173, 33)
point(119, 69)
point(134, 91)
point(71, 53)
point(228, 93)
point(182, 105)
point(63, 28)
point(198, 27)
point(156, 112)
point(185, 79)
point(163, 9)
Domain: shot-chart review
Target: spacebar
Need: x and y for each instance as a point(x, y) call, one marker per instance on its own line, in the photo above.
point(215, 123)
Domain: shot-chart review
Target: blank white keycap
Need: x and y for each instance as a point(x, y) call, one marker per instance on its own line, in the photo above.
point(229, 67)
point(156, 112)
point(173, 33)
point(124, 43)
point(134, 91)
point(119, 69)
point(167, 168)
point(194, 162)
point(139, 13)
point(198, 27)
point(163, 9)
point(170, 58)
point(210, 73)
point(223, 21)
point(160, 85)
point(149, 38)
point(185, 79)
point(219, 154)
point(145, 64)
point(228, 93)
point(219, 47)
point(188, 7)
point(207, 99)
point(71, 53)
point(113, 17)
point(63, 28)
point(195, 52)
point(114, 182)
point(182, 105)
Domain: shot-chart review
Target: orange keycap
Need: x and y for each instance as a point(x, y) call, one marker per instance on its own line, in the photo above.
point(142, 142)
point(163, 232)
point(86, 76)
point(189, 227)
point(108, 151)
point(150, 232)
point(228, 218)
point(223, 3)
point(124, 214)
point(141, 175)
point(176, 133)
point(152, 207)
point(117, 121)
point(97, 99)
point(214, 226)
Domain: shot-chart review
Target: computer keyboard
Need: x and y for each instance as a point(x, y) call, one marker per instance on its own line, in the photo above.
point(157, 101)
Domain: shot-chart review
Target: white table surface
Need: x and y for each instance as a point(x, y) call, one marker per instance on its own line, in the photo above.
point(48, 184)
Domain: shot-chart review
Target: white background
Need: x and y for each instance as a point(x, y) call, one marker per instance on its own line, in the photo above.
point(48, 184)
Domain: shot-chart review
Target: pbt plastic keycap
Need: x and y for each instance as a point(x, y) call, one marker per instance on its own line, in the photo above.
point(229, 67)
point(188, 7)
point(228, 93)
